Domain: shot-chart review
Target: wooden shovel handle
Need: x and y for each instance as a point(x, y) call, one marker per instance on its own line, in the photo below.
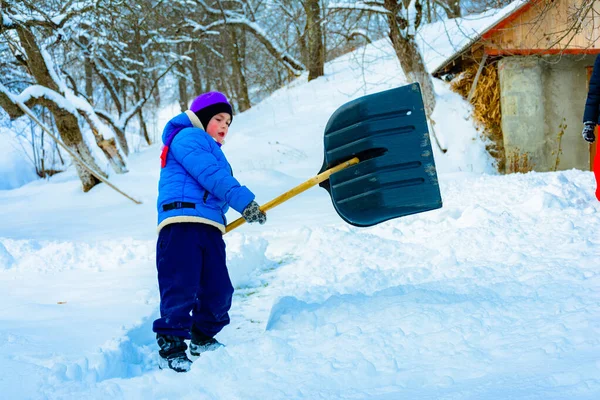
point(315, 180)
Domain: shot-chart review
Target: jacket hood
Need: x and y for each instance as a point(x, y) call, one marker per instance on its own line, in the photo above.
point(176, 124)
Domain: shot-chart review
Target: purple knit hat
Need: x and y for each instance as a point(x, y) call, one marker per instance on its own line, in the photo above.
point(208, 105)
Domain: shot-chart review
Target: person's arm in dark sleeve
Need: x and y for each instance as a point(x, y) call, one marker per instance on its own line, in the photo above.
point(592, 103)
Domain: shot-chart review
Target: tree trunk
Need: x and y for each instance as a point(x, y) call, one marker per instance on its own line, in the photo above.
point(140, 88)
point(108, 147)
point(285, 58)
point(182, 84)
point(122, 139)
point(237, 60)
point(409, 56)
point(156, 92)
point(66, 122)
point(183, 96)
point(226, 85)
point(119, 133)
point(302, 47)
point(455, 7)
point(68, 127)
point(316, 50)
point(429, 11)
point(195, 71)
point(143, 126)
point(89, 88)
point(113, 90)
point(89, 73)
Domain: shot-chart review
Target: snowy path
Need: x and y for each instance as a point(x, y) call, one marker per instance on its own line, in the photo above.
point(489, 297)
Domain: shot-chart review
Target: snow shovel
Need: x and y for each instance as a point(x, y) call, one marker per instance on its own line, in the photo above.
point(378, 162)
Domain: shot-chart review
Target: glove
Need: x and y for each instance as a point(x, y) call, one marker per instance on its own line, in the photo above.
point(252, 213)
point(588, 132)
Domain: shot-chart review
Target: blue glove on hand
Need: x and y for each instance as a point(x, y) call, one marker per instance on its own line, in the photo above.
point(588, 132)
point(252, 213)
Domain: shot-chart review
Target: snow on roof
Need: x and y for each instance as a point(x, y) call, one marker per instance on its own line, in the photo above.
point(443, 41)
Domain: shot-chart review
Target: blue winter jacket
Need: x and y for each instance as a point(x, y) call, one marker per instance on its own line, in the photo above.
point(196, 184)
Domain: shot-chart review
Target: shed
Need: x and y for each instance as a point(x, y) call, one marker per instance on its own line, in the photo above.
point(541, 53)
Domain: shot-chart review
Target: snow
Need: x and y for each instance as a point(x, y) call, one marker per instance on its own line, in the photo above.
point(494, 296)
point(15, 169)
point(6, 22)
point(35, 91)
point(358, 6)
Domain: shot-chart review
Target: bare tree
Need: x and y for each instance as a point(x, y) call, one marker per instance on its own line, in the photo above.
point(316, 47)
point(96, 65)
point(235, 41)
point(404, 19)
point(50, 90)
point(130, 74)
point(240, 18)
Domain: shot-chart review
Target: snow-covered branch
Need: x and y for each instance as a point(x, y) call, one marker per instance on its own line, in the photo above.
point(8, 102)
point(35, 16)
point(41, 92)
point(371, 6)
point(233, 18)
point(286, 58)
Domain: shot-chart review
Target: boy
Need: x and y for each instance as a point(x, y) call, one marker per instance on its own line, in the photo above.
point(195, 190)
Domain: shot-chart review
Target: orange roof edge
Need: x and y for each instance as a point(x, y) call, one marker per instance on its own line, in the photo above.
point(528, 52)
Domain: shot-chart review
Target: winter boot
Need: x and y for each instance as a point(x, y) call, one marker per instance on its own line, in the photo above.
point(172, 353)
point(201, 343)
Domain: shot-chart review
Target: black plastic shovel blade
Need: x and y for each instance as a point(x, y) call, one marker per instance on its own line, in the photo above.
point(396, 175)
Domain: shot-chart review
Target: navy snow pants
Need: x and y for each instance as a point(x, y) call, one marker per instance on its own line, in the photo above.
point(193, 280)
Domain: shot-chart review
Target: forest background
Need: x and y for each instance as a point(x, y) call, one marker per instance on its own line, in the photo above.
point(96, 72)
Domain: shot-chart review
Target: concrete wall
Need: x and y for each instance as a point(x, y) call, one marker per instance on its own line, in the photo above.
point(565, 91)
point(542, 100)
point(523, 115)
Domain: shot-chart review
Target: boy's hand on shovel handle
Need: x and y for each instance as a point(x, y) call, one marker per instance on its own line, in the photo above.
point(252, 213)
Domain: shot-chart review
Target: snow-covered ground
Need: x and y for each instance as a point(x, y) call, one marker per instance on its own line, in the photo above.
point(494, 296)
